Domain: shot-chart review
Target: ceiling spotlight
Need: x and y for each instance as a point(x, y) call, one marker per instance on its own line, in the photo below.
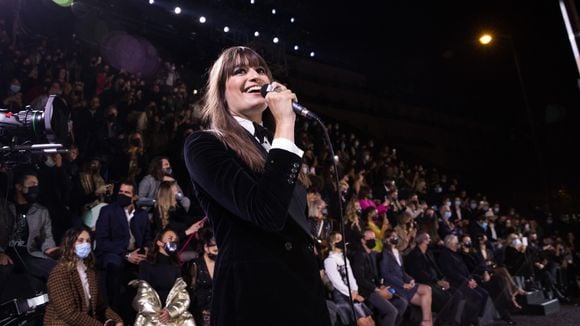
point(276, 40)
point(273, 11)
point(312, 54)
point(195, 91)
point(252, 2)
point(292, 20)
point(256, 33)
point(296, 47)
point(226, 29)
point(177, 10)
point(151, 2)
point(202, 19)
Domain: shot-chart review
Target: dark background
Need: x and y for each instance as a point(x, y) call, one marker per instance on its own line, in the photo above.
point(419, 53)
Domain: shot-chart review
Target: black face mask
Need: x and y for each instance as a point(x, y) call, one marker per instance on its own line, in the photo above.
point(371, 243)
point(124, 201)
point(339, 245)
point(32, 195)
point(211, 256)
point(135, 142)
point(358, 212)
point(394, 241)
point(467, 244)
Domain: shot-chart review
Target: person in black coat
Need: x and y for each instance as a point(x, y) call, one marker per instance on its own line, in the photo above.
point(377, 296)
point(421, 265)
point(459, 276)
point(266, 272)
point(122, 234)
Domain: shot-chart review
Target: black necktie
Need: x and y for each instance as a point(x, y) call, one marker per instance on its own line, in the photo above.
point(261, 133)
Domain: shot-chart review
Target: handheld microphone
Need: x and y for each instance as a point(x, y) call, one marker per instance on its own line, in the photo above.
point(298, 109)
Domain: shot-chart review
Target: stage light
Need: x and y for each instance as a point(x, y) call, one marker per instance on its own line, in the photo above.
point(276, 40)
point(252, 2)
point(296, 47)
point(292, 20)
point(485, 39)
point(256, 33)
point(226, 29)
point(177, 10)
point(273, 11)
point(195, 91)
point(151, 2)
point(312, 54)
point(202, 19)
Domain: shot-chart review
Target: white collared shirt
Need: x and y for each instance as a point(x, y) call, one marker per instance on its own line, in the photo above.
point(82, 269)
point(129, 216)
point(280, 143)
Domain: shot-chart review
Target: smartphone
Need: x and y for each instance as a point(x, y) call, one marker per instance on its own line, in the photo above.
point(525, 241)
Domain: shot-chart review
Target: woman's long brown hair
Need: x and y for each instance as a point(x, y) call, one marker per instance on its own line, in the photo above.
point(216, 113)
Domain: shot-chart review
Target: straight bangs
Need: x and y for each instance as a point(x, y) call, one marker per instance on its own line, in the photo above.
point(245, 57)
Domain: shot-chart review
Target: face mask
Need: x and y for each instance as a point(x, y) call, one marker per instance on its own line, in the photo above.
point(124, 201)
point(211, 256)
point(438, 190)
point(447, 203)
point(324, 211)
point(167, 171)
point(447, 215)
point(371, 243)
point(394, 241)
point(15, 88)
point(458, 203)
point(467, 244)
point(472, 206)
point(82, 250)
point(484, 225)
point(170, 247)
point(496, 209)
point(339, 245)
point(32, 195)
point(49, 162)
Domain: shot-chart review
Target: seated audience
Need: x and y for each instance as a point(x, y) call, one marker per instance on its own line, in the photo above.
point(392, 271)
point(162, 296)
point(73, 294)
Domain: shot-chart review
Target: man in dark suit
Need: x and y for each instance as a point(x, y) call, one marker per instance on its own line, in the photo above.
point(122, 235)
point(455, 270)
point(420, 264)
point(377, 296)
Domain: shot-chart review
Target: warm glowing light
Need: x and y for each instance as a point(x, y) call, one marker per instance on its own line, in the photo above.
point(63, 3)
point(485, 39)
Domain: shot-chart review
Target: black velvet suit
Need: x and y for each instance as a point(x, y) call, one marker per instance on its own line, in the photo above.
point(266, 273)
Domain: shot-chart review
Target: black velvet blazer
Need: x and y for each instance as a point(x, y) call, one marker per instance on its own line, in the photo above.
point(266, 272)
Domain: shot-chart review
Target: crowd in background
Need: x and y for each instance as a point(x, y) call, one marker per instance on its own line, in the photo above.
point(413, 235)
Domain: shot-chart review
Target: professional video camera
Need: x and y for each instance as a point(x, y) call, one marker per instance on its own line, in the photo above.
point(40, 128)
